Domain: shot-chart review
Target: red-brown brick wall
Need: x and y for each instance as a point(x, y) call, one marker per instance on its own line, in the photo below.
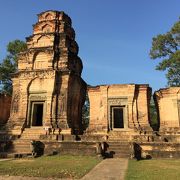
point(5, 105)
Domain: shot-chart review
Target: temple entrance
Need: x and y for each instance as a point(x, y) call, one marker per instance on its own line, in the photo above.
point(117, 117)
point(37, 114)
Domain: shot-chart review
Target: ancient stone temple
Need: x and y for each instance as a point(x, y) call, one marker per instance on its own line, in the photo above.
point(119, 107)
point(49, 93)
point(168, 105)
point(48, 90)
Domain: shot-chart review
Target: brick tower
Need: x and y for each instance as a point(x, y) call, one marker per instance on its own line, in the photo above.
point(48, 90)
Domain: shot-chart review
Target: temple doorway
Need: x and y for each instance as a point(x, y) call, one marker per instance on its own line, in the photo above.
point(37, 114)
point(117, 117)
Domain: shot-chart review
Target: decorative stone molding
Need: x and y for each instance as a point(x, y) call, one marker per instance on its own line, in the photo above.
point(45, 74)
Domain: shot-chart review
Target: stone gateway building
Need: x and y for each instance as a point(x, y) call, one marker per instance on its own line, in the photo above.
point(49, 93)
point(119, 107)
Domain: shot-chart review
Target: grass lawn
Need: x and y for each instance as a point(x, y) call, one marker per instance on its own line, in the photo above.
point(49, 166)
point(165, 169)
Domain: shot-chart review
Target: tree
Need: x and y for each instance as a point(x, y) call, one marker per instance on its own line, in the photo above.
point(153, 115)
point(167, 48)
point(9, 64)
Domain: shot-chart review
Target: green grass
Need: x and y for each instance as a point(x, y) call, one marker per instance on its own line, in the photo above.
point(49, 166)
point(165, 169)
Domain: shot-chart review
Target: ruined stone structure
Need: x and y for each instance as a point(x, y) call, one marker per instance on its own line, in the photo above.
point(168, 105)
point(119, 107)
point(5, 103)
point(48, 90)
point(48, 95)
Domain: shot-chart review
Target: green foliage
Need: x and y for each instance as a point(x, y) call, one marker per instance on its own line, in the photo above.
point(153, 116)
point(167, 47)
point(9, 64)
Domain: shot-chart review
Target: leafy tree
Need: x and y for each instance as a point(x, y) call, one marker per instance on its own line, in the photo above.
point(153, 116)
point(167, 47)
point(9, 64)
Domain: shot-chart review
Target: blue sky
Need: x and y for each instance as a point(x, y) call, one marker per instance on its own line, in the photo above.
point(114, 36)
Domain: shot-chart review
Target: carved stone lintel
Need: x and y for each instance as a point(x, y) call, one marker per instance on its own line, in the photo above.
point(38, 97)
point(117, 101)
point(40, 74)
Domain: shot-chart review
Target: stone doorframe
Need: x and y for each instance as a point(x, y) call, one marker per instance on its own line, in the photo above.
point(36, 98)
point(178, 104)
point(121, 102)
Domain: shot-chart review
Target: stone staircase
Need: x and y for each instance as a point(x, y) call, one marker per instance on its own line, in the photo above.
point(33, 133)
point(121, 135)
point(119, 144)
point(118, 149)
point(23, 144)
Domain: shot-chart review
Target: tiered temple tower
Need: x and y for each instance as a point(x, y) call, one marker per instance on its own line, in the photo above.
point(48, 90)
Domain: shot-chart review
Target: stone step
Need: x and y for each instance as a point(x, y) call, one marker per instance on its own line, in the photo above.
point(30, 137)
point(34, 132)
point(16, 146)
point(120, 135)
point(7, 155)
point(120, 155)
point(112, 154)
point(119, 152)
point(119, 140)
point(118, 144)
point(20, 151)
point(27, 146)
point(19, 154)
point(119, 147)
point(122, 143)
point(22, 141)
point(21, 144)
point(15, 155)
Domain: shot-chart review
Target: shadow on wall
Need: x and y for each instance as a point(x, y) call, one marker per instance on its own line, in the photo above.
point(5, 106)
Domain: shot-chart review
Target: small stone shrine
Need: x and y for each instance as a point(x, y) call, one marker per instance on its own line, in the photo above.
point(119, 107)
point(168, 105)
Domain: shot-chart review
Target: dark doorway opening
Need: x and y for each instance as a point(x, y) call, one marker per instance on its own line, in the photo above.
point(118, 117)
point(37, 116)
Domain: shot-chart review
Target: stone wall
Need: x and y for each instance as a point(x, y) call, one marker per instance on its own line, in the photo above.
point(168, 105)
point(134, 99)
point(5, 105)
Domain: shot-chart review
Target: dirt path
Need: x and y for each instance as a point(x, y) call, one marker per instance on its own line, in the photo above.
point(109, 169)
